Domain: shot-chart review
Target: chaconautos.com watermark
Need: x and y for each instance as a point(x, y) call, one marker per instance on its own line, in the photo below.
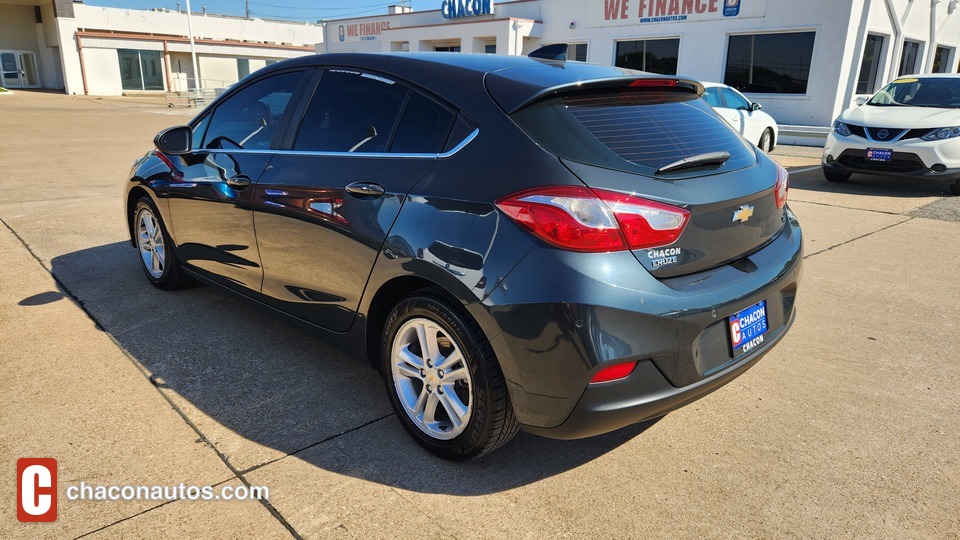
point(87, 492)
point(37, 491)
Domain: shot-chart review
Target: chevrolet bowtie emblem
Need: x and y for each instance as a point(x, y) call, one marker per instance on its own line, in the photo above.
point(743, 214)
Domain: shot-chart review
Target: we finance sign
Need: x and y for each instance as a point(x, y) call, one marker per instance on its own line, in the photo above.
point(627, 12)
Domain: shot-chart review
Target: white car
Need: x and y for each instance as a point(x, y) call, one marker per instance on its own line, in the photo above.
point(744, 115)
point(910, 128)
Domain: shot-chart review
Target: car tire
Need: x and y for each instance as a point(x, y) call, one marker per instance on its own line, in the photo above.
point(452, 399)
point(835, 176)
point(766, 141)
point(156, 248)
point(955, 187)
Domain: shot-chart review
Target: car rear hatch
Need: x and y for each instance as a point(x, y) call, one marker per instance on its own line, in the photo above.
point(631, 134)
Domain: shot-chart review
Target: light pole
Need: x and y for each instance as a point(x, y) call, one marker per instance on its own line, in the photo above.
point(193, 51)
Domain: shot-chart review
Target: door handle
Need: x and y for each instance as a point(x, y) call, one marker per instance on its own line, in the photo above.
point(238, 182)
point(365, 190)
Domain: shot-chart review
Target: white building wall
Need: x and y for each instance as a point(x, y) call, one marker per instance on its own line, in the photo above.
point(210, 27)
point(103, 73)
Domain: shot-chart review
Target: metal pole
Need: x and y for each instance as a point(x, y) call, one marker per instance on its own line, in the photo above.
point(248, 9)
point(193, 50)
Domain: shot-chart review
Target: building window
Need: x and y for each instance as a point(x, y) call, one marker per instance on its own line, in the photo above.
point(908, 60)
point(941, 61)
point(243, 68)
point(653, 55)
point(770, 63)
point(490, 48)
point(577, 51)
point(452, 48)
point(870, 65)
point(140, 70)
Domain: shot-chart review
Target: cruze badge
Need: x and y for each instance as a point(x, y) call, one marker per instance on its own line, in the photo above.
point(743, 214)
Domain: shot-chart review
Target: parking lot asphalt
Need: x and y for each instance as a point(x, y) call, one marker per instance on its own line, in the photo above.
point(849, 428)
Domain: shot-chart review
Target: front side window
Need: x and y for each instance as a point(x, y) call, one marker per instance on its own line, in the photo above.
point(770, 63)
point(651, 55)
point(249, 118)
point(870, 66)
point(734, 100)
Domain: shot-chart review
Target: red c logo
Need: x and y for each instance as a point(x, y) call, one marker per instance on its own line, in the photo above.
point(36, 489)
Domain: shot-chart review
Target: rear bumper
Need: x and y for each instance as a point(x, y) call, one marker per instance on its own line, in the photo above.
point(676, 329)
point(644, 395)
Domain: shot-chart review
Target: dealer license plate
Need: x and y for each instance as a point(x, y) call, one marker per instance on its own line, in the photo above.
point(748, 328)
point(879, 154)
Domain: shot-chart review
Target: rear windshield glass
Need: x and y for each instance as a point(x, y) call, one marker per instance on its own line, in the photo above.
point(941, 93)
point(636, 131)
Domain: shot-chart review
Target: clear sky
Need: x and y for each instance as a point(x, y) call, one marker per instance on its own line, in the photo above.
point(298, 10)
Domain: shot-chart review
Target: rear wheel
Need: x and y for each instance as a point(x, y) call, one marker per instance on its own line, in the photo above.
point(156, 248)
point(443, 379)
point(766, 141)
point(835, 176)
point(955, 187)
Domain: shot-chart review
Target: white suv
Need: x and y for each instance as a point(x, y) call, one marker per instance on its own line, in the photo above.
point(910, 128)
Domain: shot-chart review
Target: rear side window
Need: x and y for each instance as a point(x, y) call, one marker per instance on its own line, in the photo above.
point(634, 130)
point(712, 97)
point(351, 112)
point(423, 128)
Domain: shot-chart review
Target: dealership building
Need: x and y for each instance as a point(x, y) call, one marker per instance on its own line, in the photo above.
point(803, 60)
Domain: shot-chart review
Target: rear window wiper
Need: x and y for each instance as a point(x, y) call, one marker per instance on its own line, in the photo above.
point(711, 158)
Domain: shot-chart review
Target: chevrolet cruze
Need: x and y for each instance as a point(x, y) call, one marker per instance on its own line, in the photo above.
point(909, 129)
point(514, 243)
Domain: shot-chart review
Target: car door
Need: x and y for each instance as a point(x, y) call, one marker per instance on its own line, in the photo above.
point(211, 206)
point(328, 199)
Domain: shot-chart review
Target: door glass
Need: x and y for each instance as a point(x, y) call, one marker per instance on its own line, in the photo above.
point(712, 97)
point(11, 71)
point(423, 128)
point(29, 66)
point(249, 118)
point(735, 100)
point(152, 72)
point(130, 69)
point(351, 112)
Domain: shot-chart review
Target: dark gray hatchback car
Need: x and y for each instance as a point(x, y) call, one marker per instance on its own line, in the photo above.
point(515, 243)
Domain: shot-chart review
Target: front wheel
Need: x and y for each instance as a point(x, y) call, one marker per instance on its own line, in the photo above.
point(832, 176)
point(766, 141)
point(156, 248)
point(443, 379)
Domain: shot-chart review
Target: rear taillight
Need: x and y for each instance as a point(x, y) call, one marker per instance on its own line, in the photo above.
point(594, 220)
point(782, 187)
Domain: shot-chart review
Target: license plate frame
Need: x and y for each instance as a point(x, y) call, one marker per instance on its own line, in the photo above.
point(748, 328)
point(879, 155)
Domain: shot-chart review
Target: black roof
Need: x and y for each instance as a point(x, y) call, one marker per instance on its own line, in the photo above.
point(512, 80)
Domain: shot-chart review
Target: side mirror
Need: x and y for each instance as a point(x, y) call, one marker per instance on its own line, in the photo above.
point(861, 100)
point(755, 107)
point(174, 141)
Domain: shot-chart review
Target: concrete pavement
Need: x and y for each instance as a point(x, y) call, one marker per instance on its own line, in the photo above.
point(849, 428)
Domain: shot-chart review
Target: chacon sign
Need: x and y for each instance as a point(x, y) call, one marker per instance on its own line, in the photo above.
point(455, 9)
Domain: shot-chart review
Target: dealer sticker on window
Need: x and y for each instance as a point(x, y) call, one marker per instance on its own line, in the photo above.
point(747, 328)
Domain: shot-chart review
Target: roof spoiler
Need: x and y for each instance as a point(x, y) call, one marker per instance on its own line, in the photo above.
point(648, 82)
point(557, 51)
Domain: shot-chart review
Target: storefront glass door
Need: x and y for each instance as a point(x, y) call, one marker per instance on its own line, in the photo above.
point(18, 69)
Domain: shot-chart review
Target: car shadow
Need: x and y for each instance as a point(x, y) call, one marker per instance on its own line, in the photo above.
point(868, 184)
point(263, 380)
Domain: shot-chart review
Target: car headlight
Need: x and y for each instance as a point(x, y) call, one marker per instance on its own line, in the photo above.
point(841, 129)
point(942, 134)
